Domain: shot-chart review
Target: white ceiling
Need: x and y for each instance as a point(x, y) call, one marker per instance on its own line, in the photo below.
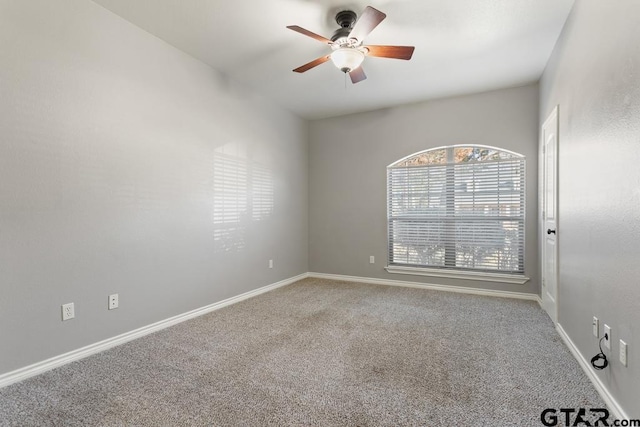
point(462, 46)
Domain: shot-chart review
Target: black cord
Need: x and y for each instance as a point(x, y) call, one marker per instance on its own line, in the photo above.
point(600, 356)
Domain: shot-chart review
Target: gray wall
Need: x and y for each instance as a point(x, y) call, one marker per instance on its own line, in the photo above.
point(347, 174)
point(114, 151)
point(594, 77)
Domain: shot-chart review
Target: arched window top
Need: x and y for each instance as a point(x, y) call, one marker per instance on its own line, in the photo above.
point(456, 154)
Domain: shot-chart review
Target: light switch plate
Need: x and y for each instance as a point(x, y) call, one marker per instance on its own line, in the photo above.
point(623, 353)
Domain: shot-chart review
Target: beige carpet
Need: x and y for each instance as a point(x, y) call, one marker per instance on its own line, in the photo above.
point(322, 353)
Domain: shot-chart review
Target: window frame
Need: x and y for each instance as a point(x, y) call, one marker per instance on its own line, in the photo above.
point(448, 271)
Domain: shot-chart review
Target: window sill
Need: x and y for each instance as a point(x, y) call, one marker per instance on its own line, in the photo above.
point(516, 279)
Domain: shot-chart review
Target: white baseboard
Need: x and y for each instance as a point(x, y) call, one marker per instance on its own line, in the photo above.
point(63, 359)
point(458, 289)
point(609, 400)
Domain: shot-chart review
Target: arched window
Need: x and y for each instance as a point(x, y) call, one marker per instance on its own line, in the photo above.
point(457, 208)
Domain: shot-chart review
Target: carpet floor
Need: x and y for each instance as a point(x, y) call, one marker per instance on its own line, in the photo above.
point(322, 353)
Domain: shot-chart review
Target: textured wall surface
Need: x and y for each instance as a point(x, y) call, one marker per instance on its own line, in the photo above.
point(594, 76)
point(347, 175)
point(128, 167)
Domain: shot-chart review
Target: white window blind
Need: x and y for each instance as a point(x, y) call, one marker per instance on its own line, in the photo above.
point(458, 208)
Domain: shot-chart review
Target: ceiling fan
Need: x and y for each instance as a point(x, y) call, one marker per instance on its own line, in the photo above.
point(348, 52)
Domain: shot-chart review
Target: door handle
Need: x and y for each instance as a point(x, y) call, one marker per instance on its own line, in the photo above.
point(550, 231)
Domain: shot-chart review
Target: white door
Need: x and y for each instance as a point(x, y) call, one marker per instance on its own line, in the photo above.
point(550, 215)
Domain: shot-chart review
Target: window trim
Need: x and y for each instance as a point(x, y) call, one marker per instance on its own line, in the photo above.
point(453, 272)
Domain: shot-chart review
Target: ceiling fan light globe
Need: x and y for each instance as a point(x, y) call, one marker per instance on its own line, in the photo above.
point(347, 59)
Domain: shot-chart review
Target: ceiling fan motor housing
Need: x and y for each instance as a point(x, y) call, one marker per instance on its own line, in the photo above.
point(345, 19)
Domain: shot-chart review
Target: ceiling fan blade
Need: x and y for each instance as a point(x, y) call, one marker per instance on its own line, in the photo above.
point(357, 75)
point(312, 64)
point(309, 33)
point(396, 52)
point(369, 20)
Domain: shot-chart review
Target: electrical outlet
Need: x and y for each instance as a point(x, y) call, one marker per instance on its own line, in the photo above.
point(623, 353)
point(270, 263)
point(113, 301)
point(596, 327)
point(607, 334)
point(68, 311)
point(372, 259)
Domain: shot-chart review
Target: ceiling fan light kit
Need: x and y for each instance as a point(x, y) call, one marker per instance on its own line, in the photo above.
point(347, 59)
point(346, 43)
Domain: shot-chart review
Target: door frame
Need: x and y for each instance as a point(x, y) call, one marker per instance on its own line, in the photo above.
point(554, 115)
